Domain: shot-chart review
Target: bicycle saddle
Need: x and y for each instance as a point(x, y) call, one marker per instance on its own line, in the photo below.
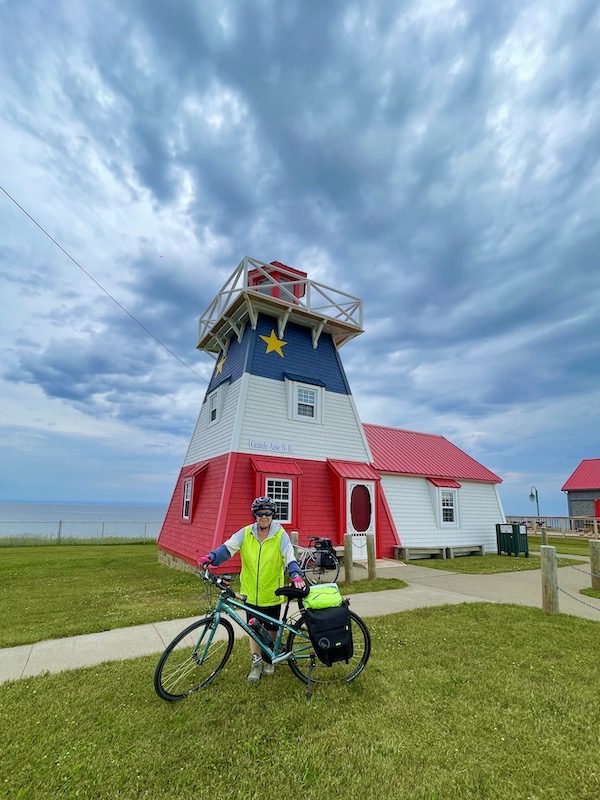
point(292, 592)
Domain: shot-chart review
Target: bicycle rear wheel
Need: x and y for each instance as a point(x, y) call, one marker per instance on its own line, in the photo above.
point(321, 570)
point(299, 643)
point(188, 664)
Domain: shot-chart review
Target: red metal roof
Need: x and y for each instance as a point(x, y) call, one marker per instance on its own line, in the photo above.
point(425, 454)
point(278, 466)
point(586, 476)
point(444, 483)
point(353, 470)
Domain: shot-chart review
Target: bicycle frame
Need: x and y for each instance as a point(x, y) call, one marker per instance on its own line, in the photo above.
point(227, 606)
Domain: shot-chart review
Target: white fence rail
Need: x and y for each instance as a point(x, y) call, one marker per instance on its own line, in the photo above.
point(65, 530)
point(585, 527)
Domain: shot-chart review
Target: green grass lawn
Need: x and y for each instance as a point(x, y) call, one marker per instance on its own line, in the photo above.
point(50, 591)
point(568, 546)
point(486, 565)
point(591, 592)
point(470, 702)
point(378, 585)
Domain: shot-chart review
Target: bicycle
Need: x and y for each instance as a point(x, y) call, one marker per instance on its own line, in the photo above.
point(319, 563)
point(198, 654)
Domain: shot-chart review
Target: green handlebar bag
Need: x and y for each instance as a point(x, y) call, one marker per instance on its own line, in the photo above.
point(324, 595)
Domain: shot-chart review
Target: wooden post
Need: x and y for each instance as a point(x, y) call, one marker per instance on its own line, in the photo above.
point(596, 527)
point(58, 538)
point(348, 557)
point(549, 579)
point(544, 535)
point(595, 562)
point(294, 541)
point(371, 556)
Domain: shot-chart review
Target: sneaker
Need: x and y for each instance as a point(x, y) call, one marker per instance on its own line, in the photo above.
point(256, 671)
point(268, 669)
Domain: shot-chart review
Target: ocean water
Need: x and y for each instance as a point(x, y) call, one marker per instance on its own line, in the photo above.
point(82, 520)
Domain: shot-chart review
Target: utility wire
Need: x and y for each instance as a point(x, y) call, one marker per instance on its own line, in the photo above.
point(106, 292)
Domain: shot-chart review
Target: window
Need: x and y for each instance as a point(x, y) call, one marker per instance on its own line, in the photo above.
point(305, 402)
point(214, 403)
point(187, 499)
point(448, 503)
point(213, 407)
point(280, 491)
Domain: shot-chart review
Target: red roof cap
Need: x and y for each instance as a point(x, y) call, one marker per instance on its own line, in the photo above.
point(586, 476)
point(424, 454)
point(353, 470)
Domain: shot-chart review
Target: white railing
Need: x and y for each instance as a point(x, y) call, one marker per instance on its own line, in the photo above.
point(319, 299)
point(585, 527)
point(62, 530)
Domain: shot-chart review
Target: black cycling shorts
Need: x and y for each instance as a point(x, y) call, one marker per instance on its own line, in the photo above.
point(272, 611)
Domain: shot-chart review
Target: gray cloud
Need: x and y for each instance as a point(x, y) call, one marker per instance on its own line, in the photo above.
point(439, 162)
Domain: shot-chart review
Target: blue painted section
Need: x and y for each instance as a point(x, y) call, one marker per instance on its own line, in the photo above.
point(299, 357)
point(321, 366)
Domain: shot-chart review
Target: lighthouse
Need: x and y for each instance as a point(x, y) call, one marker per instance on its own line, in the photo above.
point(278, 419)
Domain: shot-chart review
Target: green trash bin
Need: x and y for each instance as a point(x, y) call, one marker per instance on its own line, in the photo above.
point(511, 538)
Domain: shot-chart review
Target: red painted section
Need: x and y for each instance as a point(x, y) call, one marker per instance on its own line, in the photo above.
point(410, 453)
point(586, 476)
point(188, 540)
point(387, 535)
point(597, 508)
point(444, 483)
point(256, 278)
point(223, 506)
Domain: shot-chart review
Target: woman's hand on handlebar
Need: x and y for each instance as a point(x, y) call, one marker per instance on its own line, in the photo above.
point(298, 582)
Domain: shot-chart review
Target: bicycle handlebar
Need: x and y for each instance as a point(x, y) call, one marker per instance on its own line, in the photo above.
point(222, 583)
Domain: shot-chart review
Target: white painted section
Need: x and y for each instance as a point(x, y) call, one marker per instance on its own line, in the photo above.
point(359, 538)
point(412, 503)
point(213, 440)
point(265, 417)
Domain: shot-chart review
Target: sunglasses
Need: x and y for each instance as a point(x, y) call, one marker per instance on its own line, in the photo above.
point(264, 514)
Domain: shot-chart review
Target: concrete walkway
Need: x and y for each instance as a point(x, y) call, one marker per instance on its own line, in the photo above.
point(427, 587)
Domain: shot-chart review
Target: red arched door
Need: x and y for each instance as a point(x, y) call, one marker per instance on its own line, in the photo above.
point(360, 515)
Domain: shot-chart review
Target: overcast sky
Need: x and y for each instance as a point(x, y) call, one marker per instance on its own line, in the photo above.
point(437, 159)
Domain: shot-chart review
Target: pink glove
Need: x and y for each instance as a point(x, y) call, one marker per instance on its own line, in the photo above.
point(298, 582)
point(204, 561)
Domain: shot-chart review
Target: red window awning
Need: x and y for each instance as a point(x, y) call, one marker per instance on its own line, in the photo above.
point(444, 483)
point(276, 466)
point(354, 470)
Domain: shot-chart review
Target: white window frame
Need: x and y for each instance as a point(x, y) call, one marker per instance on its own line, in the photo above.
point(295, 390)
point(270, 492)
point(214, 403)
point(454, 494)
point(186, 508)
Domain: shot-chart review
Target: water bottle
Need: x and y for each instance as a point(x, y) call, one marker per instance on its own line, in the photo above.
point(260, 631)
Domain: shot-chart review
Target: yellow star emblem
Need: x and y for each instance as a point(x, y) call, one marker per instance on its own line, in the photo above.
point(220, 365)
point(274, 345)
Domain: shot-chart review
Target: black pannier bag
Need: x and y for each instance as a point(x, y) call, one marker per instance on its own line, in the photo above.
point(330, 633)
point(323, 554)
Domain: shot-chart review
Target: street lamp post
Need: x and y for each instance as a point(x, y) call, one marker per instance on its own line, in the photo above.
point(535, 499)
point(533, 496)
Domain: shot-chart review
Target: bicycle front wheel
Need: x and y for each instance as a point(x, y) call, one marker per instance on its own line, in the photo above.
point(318, 569)
point(300, 645)
point(193, 659)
